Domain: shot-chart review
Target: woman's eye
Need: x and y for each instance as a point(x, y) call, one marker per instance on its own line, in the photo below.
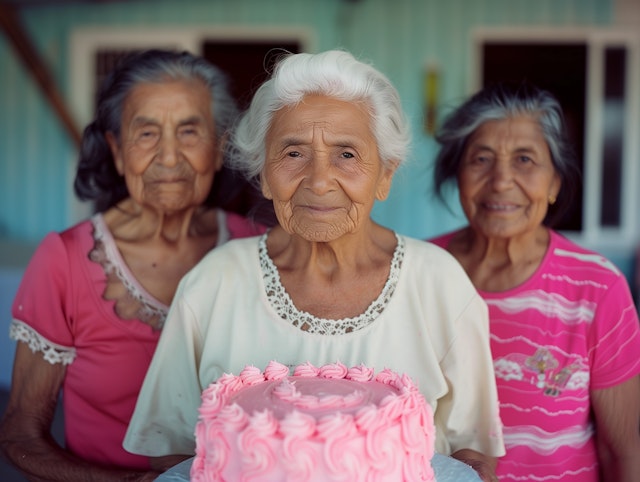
point(189, 136)
point(293, 154)
point(479, 160)
point(347, 155)
point(147, 137)
point(524, 159)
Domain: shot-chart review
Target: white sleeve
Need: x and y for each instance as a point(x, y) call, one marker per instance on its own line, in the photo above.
point(166, 412)
point(470, 410)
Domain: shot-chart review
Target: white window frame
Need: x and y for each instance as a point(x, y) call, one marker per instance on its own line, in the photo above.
point(622, 239)
point(86, 41)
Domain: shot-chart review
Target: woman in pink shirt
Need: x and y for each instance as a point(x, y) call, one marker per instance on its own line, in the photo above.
point(93, 300)
point(565, 335)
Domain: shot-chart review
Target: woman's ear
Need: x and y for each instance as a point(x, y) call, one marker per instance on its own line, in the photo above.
point(384, 183)
point(554, 190)
point(115, 152)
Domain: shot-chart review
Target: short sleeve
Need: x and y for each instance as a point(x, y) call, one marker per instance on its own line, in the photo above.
point(614, 338)
point(42, 299)
point(471, 419)
point(166, 413)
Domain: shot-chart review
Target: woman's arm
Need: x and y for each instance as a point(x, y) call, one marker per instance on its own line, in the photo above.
point(485, 466)
point(25, 436)
point(617, 415)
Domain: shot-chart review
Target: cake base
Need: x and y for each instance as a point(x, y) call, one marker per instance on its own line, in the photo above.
point(447, 469)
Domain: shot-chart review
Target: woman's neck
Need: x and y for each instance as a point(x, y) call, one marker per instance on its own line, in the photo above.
point(130, 222)
point(499, 264)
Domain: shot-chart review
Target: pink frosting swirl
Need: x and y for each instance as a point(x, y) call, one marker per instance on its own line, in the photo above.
point(298, 449)
point(213, 399)
point(306, 370)
point(333, 370)
point(340, 456)
point(253, 443)
point(211, 456)
point(229, 384)
point(382, 443)
point(251, 375)
point(275, 371)
point(360, 373)
point(232, 418)
point(286, 391)
point(388, 377)
point(417, 422)
point(407, 382)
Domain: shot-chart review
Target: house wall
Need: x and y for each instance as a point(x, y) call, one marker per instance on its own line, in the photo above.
point(400, 37)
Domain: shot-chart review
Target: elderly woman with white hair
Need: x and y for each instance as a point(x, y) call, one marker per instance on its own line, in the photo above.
point(324, 137)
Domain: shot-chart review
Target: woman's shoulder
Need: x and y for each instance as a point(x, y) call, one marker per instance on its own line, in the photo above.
point(433, 249)
point(241, 227)
point(71, 240)
point(234, 255)
point(425, 255)
point(443, 240)
point(232, 266)
point(564, 251)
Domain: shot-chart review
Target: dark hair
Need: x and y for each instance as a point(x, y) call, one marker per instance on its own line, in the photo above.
point(97, 179)
point(502, 101)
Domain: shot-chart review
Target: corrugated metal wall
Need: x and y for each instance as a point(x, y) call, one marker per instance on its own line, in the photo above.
point(399, 36)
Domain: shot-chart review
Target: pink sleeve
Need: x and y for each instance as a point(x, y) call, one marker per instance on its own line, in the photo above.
point(241, 227)
point(42, 298)
point(615, 338)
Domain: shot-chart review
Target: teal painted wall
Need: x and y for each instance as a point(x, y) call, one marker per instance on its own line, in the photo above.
point(399, 36)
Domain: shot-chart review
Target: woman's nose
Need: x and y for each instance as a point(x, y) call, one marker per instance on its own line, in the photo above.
point(168, 150)
point(319, 173)
point(501, 175)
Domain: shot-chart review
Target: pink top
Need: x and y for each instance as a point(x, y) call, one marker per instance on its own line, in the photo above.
point(571, 328)
point(59, 310)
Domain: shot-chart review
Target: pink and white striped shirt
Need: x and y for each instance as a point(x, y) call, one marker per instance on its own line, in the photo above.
point(570, 328)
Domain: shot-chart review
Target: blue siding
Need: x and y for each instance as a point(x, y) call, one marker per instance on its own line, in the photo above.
point(400, 37)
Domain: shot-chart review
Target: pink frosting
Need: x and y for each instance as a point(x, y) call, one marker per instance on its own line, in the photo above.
point(360, 373)
point(306, 370)
point(321, 424)
point(275, 371)
point(251, 375)
point(287, 392)
point(334, 370)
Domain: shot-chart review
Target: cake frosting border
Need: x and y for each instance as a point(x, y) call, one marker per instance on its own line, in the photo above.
point(407, 404)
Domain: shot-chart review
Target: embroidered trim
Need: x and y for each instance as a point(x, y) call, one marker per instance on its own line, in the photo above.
point(52, 352)
point(282, 303)
point(148, 311)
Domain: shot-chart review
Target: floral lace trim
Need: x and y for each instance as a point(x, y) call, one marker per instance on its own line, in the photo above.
point(282, 303)
point(51, 352)
point(134, 304)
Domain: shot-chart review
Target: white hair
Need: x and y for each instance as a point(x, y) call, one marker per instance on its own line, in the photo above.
point(334, 73)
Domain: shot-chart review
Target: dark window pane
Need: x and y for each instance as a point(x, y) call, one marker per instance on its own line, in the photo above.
point(613, 127)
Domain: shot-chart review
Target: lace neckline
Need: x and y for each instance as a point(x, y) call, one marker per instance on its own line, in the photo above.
point(135, 302)
point(282, 303)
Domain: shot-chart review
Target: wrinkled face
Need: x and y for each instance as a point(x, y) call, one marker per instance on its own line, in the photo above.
point(168, 153)
point(506, 178)
point(322, 169)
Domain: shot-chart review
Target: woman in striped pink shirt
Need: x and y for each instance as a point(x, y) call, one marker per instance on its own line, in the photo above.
point(565, 335)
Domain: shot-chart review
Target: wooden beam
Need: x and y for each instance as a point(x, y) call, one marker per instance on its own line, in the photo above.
point(26, 51)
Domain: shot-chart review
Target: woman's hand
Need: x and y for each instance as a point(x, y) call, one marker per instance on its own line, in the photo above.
point(485, 466)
